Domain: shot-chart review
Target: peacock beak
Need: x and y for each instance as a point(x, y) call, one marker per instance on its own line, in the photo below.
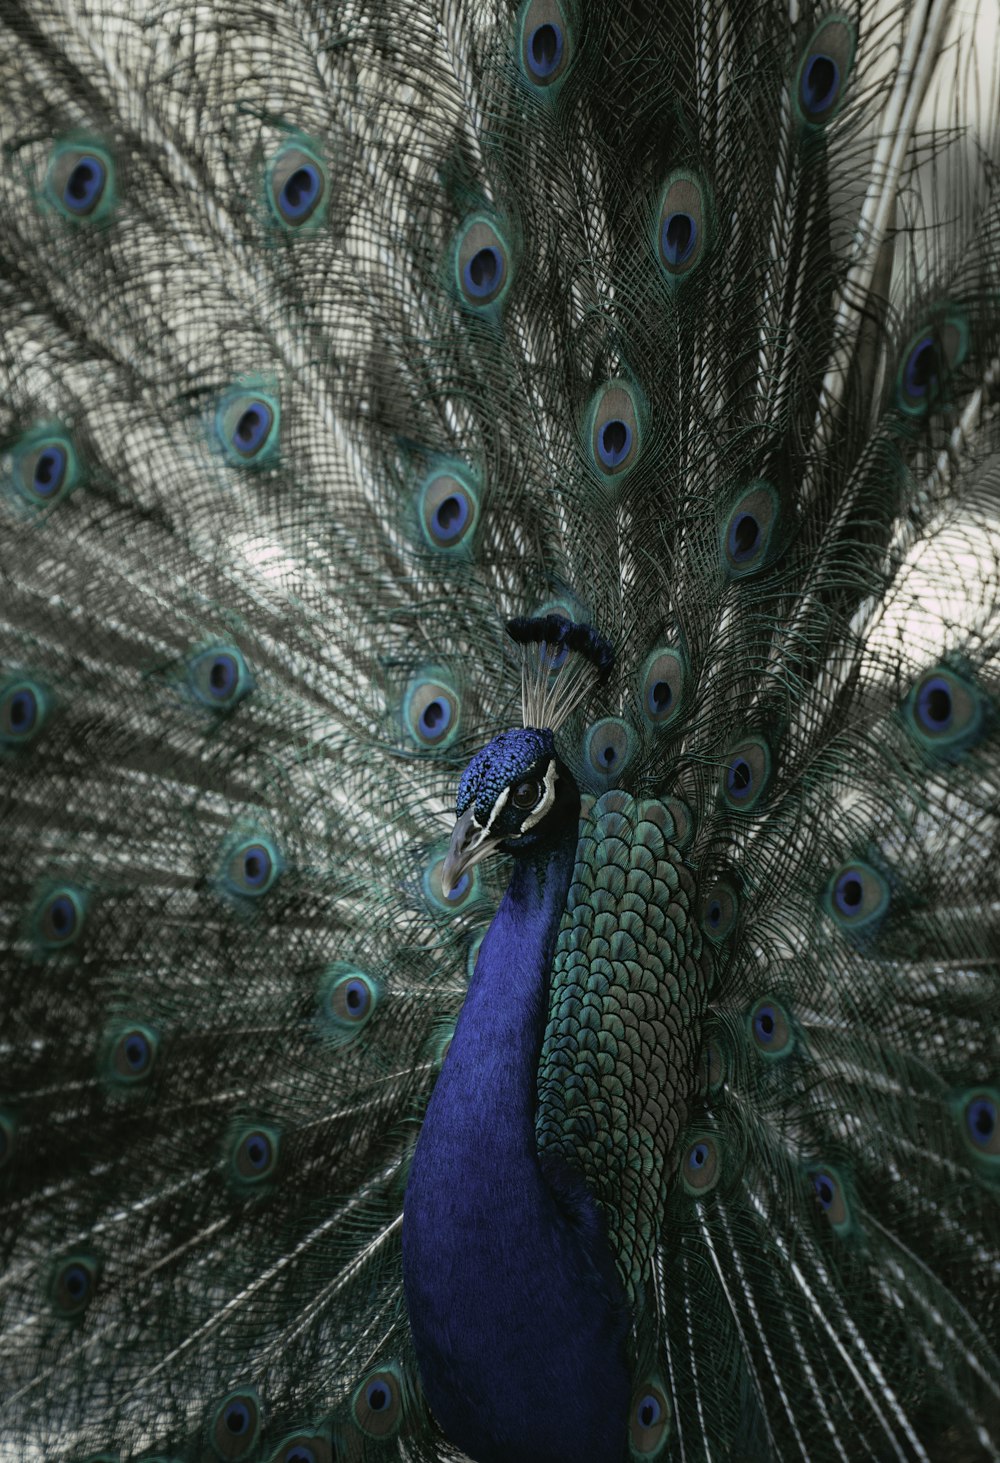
point(470, 843)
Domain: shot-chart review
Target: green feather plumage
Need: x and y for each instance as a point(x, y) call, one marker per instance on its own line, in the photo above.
point(269, 491)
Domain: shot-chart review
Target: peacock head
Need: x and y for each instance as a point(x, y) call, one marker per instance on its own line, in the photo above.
point(514, 796)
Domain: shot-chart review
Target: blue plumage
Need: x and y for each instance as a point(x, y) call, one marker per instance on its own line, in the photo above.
point(494, 1248)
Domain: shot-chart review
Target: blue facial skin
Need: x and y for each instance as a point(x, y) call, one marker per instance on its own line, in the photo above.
point(518, 1315)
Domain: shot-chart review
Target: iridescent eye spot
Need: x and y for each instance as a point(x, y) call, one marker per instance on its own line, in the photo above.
point(649, 1411)
point(615, 442)
point(678, 236)
point(682, 227)
point(296, 187)
point(744, 537)
point(920, 368)
point(739, 779)
point(136, 1050)
point(255, 1154)
point(824, 69)
point(982, 1119)
point(829, 1197)
point(465, 891)
point(663, 685)
point(614, 429)
point(746, 773)
point(236, 1425)
point(377, 1405)
point(24, 707)
point(451, 516)
point(545, 47)
point(820, 83)
point(304, 1448)
point(356, 1000)
point(449, 509)
point(74, 1283)
point(608, 747)
point(848, 892)
point(431, 708)
point(719, 910)
point(222, 676)
point(133, 1054)
point(252, 868)
point(929, 357)
point(649, 1419)
point(980, 1109)
point(770, 1029)
point(256, 866)
point(84, 185)
point(934, 704)
point(482, 276)
point(481, 263)
point(252, 426)
point(236, 1418)
point(247, 426)
point(50, 470)
point(945, 713)
point(78, 182)
point(300, 192)
point(764, 1025)
point(21, 711)
point(219, 677)
point(258, 1152)
point(348, 998)
point(749, 531)
point(700, 1166)
point(45, 468)
point(857, 897)
point(435, 718)
point(59, 918)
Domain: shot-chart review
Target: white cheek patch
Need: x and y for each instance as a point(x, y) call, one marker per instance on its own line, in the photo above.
point(548, 798)
point(495, 811)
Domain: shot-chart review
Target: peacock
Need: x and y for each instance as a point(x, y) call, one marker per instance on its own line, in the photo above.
point(499, 731)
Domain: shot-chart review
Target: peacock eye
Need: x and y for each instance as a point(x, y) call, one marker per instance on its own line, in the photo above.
point(74, 1284)
point(649, 1420)
point(297, 186)
point(527, 793)
point(378, 1404)
point(254, 1154)
point(133, 1054)
point(236, 1425)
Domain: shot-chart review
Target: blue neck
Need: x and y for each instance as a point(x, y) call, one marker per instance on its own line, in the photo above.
point(516, 1310)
